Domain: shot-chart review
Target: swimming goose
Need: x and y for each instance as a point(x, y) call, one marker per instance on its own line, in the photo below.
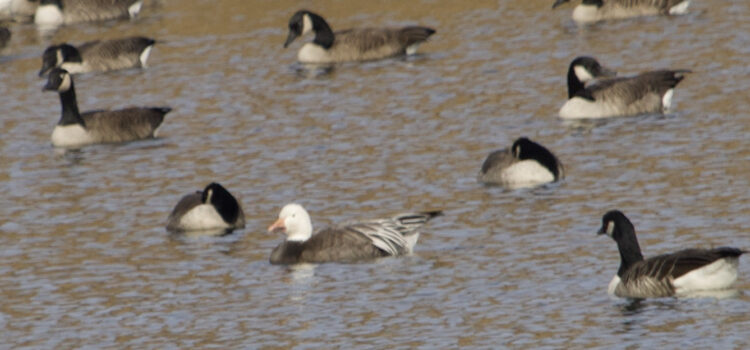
point(58, 12)
point(99, 55)
point(212, 208)
point(357, 44)
point(598, 10)
point(353, 241)
point(525, 164)
point(678, 273)
point(78, 129)
point(649, 92)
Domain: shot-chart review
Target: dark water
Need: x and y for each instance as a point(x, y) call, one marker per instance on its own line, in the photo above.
point(85, 261)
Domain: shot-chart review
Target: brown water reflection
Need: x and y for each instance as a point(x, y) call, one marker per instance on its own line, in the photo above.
point(85, 260)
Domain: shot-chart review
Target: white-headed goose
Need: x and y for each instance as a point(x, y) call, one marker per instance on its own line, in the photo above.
point(649, 92)
point(525, 164)
point(675, 274)
point(212, 208)
point(348, 242)
point(356, 44)
point(59, 12)
point(101, 126)
point(98, 56)
point(598, 10)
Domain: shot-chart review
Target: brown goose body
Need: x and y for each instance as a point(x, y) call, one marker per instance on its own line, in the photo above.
point(98, 56)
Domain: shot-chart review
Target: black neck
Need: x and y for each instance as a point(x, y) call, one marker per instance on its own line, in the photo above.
point(627, 244)
point(574, 85)
point(70, 114)
point(323, 33)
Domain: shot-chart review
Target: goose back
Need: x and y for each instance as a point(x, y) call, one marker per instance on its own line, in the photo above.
point(660, 276)
point(361, 44)
point(327, 245)
point(74, 11)
point(100, 55)
point(125, 124)
point(649, 92)
point(116, 54)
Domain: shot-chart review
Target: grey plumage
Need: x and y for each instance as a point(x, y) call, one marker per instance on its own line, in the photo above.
point(122, 125)
point(597, 10)
point(639, 94)
point(97, 56)
point(356, 44)
point(75, 11)
point(347, 242)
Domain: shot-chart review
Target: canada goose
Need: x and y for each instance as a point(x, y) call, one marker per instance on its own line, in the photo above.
point(349, 242)
point(58, 12)
point(357, 44)
point(525, 164)
point(598, 10)
point(212, 208)
point(678, 273)
point(100, 56)
point(78, 129)
point(649, 92)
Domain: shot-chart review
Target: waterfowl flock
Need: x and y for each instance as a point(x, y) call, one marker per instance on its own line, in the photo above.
point(594, 91)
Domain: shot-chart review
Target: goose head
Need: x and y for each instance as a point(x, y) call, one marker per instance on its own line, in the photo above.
point(525, 149)
point(294, 221)
point(59, 80)
point(55, 56)
point(587, 68)
point(224, 203)
point(303, 22)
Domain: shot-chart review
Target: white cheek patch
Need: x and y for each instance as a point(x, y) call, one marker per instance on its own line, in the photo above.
point(144, 55)
point(307, 25)
point(679, 9)
point(134, 9)
point(583, 74)
point(666, 100)
point(59, 57)
point(65, 85)
point(610, 227)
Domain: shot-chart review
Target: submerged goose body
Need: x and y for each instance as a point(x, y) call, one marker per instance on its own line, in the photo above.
point(597, 10)
point(79, 129)
point(212, 208)
point(525, 164)
point(98, 56)
point(649, 92)
point(349, 242)
point(357, 44)
point(58, 12)
point(680, 273)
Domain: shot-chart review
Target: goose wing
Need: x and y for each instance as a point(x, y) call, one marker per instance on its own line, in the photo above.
point(628, 90)
point(112, 49)
point(390, 234)
point(369, 39)
point(668, 267)
point(124, 124)
point(187, 202)
point(500, 158)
